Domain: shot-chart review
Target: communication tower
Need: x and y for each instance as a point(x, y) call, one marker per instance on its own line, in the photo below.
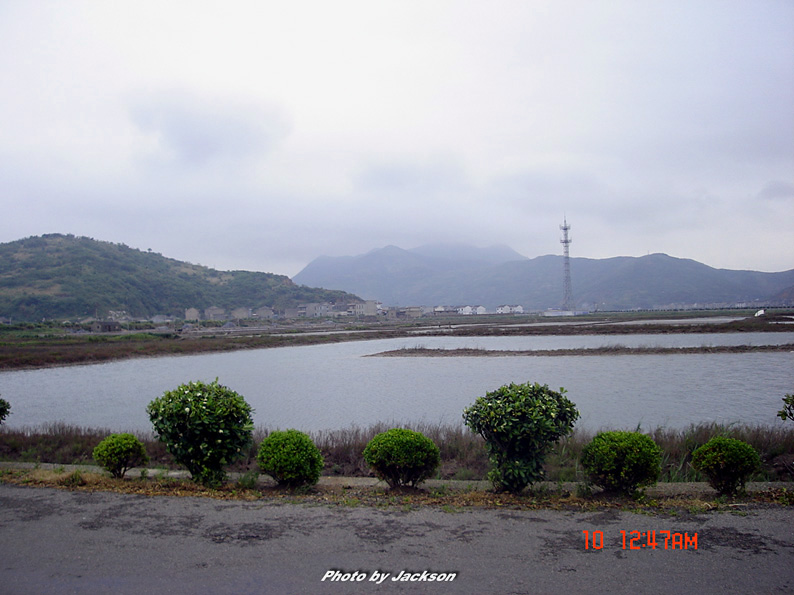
point(567, 292)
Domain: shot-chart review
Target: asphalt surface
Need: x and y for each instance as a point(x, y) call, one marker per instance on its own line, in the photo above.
point(59, 541)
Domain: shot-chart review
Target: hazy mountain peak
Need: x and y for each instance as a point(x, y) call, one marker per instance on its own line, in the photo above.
point(494, 254)
point(456, 274)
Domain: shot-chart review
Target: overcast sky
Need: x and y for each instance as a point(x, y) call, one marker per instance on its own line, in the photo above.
point(260, 135)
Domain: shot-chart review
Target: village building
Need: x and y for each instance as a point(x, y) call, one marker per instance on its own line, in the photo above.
point(214, 313)
point(407, 312)
point(472, 310)
point(510, 310)
point(105, 326)
point(339, 310)
point(241, 313)
point(367, 308)
point(264, 312)
point(314, 310)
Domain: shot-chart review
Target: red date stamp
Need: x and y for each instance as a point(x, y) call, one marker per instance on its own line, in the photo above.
point(638, 540)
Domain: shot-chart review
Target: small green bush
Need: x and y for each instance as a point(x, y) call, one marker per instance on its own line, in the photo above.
point(622, 461)
point(5, 410)
point(402, 457)
point(727, 463)
point(291, 458)
point(204, 426)
point(73, 480)
point(520, 422)
point(119, 452)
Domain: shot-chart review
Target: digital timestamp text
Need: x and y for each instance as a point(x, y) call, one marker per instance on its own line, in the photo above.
point(648, 540)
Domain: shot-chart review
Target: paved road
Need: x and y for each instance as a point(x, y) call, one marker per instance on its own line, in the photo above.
point(56, 541)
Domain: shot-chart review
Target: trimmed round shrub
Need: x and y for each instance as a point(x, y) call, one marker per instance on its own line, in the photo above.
point(204, 426)
point(402, 457)
point(520, 423)
point(291, 458)
point(5, 409)
point(727, 463)
point(622, 461)
point(120, 452)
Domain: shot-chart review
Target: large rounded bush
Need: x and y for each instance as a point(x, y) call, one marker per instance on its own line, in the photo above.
point(402, 457)
point(120, 452)
point(519, 423)
point(291, 458)
point(727, 463)
point(205, 427)
point(622, 461)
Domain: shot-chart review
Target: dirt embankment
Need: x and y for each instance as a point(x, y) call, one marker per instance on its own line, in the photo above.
point(608, 350)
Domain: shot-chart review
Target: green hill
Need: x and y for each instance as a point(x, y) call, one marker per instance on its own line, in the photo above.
point(63, 276)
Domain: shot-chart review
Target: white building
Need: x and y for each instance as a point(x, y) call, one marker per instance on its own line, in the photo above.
point(510, 310)
point(367, 308)
point(472, 310)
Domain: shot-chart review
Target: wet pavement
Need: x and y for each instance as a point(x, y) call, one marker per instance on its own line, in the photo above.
point(59, 541)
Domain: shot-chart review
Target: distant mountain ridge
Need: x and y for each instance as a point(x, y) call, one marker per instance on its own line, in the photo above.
point(63, 276)
point(464, 275)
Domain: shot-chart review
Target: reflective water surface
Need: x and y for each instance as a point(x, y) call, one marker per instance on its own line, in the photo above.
point(334, 386)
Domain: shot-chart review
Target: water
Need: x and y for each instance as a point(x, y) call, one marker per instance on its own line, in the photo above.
point(593, 341)
point(333, 386)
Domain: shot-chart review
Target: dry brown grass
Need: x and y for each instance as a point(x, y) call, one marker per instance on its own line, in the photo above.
point(463, 454)
point(450, 500)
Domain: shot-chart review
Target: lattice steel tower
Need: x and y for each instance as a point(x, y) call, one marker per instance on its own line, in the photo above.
point(567, 292)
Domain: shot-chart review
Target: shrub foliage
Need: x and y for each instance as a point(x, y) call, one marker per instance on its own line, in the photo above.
point(519, 423)
point(402, 457)
point(788, 408)
point(204, 426)
point(5, 409)
point(291, 458)
point(727, 463)
point(622, 461)
point(120, 452)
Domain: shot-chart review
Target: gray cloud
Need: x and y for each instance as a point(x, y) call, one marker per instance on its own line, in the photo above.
point(417, 180)
point(777, 190)
point(194, 132)
point(262, 137)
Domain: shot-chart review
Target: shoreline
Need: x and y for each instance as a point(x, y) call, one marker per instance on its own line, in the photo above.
point(584, 351)
point(31, 351)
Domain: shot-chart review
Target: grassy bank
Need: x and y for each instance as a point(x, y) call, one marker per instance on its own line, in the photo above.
point(40, 352)
point(462, 453)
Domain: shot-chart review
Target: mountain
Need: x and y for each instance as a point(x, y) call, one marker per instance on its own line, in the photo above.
point(457, 275)
point(424, 275)
point(63, 276)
